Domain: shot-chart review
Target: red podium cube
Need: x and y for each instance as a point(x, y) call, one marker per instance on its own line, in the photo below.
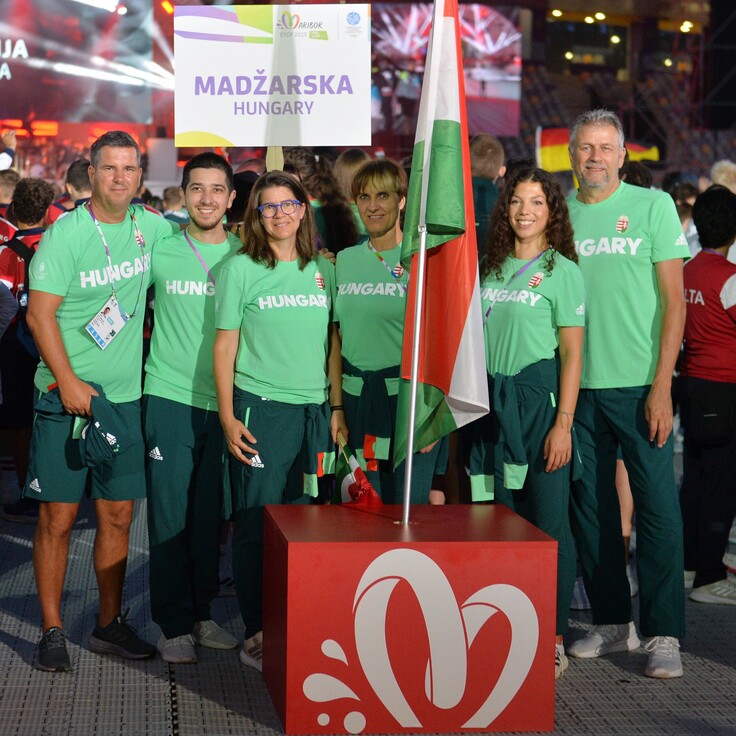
point(443, 625)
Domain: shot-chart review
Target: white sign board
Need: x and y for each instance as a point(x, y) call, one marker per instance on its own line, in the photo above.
point(272, 75)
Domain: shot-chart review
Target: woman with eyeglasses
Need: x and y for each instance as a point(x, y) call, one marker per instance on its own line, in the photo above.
point(370, 306)
point(533, 304)
point(276, 361)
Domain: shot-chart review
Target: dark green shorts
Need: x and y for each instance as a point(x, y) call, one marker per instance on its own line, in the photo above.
point(56, 471)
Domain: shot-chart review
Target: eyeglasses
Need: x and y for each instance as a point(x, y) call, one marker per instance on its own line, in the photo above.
point(287, 207)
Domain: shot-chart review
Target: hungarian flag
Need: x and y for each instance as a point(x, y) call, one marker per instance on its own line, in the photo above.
point(452, 386)
point(552, 149)
point(351, 483)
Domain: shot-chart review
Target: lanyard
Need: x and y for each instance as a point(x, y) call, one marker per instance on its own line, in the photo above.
point(515, 276)
point(396, 273)
point(199, 257)
point(140, 242)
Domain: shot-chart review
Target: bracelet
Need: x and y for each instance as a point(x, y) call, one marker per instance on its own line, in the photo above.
point(566, 413)
point(337, 407)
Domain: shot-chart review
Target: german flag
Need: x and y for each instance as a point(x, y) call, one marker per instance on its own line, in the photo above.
point(552, 149)
point(642, 152)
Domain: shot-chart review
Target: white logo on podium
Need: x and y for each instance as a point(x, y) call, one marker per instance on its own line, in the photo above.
point(451, 630)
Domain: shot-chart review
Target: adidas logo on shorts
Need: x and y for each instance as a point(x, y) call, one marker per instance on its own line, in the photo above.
point(34, 485)
point(256, 462)
point(155, 454)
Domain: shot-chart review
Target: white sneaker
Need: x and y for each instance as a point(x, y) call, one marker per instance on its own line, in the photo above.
point(722, 591)
point(689, 578)
point(579, 601)
point(561, 660)
point(664, 657)
point(209, 634)
point(251, 654)
point(605, 639)
point(178, 649)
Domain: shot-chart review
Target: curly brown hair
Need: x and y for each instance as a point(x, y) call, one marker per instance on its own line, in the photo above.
point(501, 238)
point(254, 236)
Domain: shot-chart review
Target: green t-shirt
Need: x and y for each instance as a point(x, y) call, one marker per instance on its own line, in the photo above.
point(284, 315)
point(71, 263)
point(618, 242)
point(179, 366)
point(522, 328)
point(370, 306)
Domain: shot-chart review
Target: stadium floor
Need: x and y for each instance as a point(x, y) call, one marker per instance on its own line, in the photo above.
point(218, 696)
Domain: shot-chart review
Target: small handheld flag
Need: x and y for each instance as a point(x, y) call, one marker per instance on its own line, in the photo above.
point(351, 482)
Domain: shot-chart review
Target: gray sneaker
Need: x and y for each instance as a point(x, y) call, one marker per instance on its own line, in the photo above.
point(52, 655)
point(211, 635)
point(178, 649)
point(605, 639)
point(722, 591)
point(664, 657)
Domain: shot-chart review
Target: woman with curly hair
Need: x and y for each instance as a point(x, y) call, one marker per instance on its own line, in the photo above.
point(533, 304)
point(332, 212)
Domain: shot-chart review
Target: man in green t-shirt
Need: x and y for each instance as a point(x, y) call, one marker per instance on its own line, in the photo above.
point(631, 250)
point(88, 283)
point(184, 442)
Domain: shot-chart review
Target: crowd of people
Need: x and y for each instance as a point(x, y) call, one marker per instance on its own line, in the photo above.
point(278, 310)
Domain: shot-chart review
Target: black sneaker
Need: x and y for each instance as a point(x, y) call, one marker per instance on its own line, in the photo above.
point(120, 639)
point(23, 511)
point(52, 655)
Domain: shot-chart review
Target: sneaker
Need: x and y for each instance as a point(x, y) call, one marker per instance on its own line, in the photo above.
point(605, 639)
point(633, 582)
point(120, 639)
point(52, 653)
point(689, 577)
point(579, 600)
point(722, 591)
point(664, 657)
point(561, 661)
point(251, 654)
point(209, 634)
point(178, 649)
point(23, 511)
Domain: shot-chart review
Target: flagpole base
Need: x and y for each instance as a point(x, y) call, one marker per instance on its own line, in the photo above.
point(357, 610)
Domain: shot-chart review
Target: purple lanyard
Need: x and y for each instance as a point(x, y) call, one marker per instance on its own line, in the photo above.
point(513, 278)
point(201, 260)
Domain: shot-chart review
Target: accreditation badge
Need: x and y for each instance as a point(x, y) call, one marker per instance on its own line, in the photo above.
point(105, 326)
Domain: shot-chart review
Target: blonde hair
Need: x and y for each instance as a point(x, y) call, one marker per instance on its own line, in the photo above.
point(723, 172)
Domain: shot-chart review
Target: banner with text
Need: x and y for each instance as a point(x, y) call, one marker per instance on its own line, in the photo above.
point(273, 75)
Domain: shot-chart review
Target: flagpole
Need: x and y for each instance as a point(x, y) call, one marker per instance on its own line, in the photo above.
point(433, 52)
point(421, 262)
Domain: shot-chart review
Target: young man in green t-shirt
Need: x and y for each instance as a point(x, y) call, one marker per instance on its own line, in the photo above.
point(184, 442)
point(88, 283)
point(631, 250)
